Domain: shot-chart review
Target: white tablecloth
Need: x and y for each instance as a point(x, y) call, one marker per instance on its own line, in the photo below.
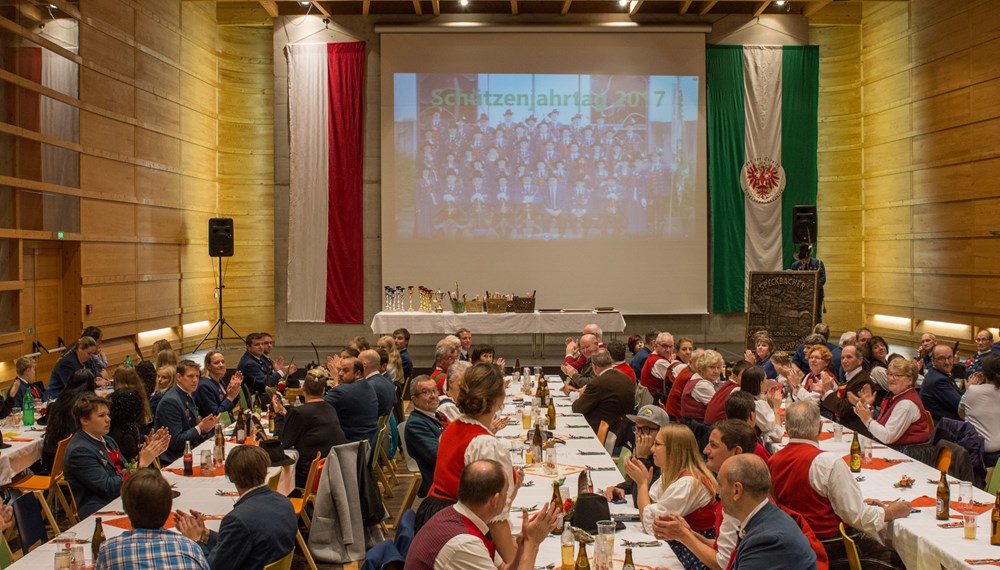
point(540, 490)
point(500, 323)
point(918, 539)
point(21, 454)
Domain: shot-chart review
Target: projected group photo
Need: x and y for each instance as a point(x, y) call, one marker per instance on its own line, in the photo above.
point(543, 157)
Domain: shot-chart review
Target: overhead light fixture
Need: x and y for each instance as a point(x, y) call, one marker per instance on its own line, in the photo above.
point(149, 337)
point(891, 322)
point(623, 3)
point(779, 3)
point(305, 4)
point(463, 3)
point(953, 330)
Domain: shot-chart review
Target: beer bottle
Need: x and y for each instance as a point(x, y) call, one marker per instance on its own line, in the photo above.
point(995, 523)
point(628, 565)
point(98, 539)
point(944, 499)
point(536, 445)
point(558, 500)
point(855, 454)
point(567, 547)
point(188, 460)
point(270, 419)
point(241, 428)
point(219, 452)
point(581, 558)
point(552, 414)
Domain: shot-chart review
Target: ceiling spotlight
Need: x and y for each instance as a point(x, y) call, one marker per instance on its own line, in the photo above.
point(305, 4)
point(623, 3)
point(463, 3)
point(53, 7)
point(779, 3)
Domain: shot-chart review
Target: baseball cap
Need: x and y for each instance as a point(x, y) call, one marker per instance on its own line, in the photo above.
point(651, 413)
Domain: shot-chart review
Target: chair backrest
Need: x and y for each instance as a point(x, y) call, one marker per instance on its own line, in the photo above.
point(930, 420)
point(624, 456)
point(243, 399)
point(6, 558)
point(30, 524)
point(312, 479)
point(411, 463)
point(57, 463)
point(610, 441)
point(284, 563)
point(273, 480)
point(382, 430)
point(602, 431)
point(226, 419)
point(943, 459)
point(994, 485)
point(853, 559)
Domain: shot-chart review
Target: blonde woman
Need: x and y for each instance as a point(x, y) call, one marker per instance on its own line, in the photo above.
point(166, 377)
point(686, 487)
point(395, 367)
point(700, 388)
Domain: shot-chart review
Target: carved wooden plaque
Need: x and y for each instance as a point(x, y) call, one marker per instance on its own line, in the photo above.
point(782, 303)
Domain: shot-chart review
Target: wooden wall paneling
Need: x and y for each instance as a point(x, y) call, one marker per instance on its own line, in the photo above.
point(157, 187)
point(888, 288)
point(954, 256)
point(885, 59)
point(984, 25)
point(883, 22)
point(119, 15)
point(103, 219)
point(887, 157)
point(834, 104)
point(156, 38)
point(941, 37)
point(984, 102)
point(72, 303)
point(199, 161)
point(889, 254)
point(153, 71)
point(888, 189)
point(162, 224)
point(986, 296)
point(158, 297)
point(943, 292)
point(200, 94)
point(199, 193)
point(202, 128)
point(843, 193)
point(158, 112)
point(158, 258)
point(883, 92)
point(107, 178)
point(943, 111)
point(113, 54)
point(942, 75)
point(103, 133)
point(112, 302)
point(887, 125)
point(162, 150)
point(889, 221)
point(104, 92)
point(106, 261)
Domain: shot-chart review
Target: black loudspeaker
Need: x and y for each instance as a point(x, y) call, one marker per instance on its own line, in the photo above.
point(804, 224)
point(220, 237)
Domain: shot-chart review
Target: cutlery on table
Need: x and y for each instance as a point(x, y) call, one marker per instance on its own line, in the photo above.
point(603, 468)
point(641, 543)
point(109, 513)
point(582, 452)
point(222, 493)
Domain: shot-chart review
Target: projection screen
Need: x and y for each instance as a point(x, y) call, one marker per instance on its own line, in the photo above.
point(571, 164)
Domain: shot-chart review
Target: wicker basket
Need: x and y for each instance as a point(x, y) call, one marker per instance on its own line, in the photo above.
point(524, 304)
point(474, 306)
point(457, 306)
point(496, 306)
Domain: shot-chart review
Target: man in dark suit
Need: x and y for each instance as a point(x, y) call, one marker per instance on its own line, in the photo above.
point(355, 401)
point(608, 397)
point(856, 381)
point(385, 390)
point(257, 371)
point(178, 413)
point(423, 430)
point(938, 392)
point(313, 426)
point(261, 527)
point(766, 533)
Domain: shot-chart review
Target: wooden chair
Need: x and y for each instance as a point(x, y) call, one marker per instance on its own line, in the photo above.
point(388, 465)
point(273, 480)
point(411, 464)
point(299, 505)
point(373, 464)
point(624, 456)
point(943, 459)
point(602, 431)
point(6, 557)
point(48, 484)
point(29, 509)
point(284, 563)
point(853, 558)
point(993, 480)
point(930, 420)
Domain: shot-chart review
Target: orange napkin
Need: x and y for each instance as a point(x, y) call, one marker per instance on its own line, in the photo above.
point(197, 472)
point(925, 501)
point(123, 522)
point(877, 463)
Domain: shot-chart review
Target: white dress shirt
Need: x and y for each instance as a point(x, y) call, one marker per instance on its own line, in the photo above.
point(465, 550)
point(682, 497)
point(487, 446)
point(830, 476)
point(703, 389)
point(903, 414)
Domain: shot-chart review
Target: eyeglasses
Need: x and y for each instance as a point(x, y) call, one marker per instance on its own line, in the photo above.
point(895, 375)
point(637, 429)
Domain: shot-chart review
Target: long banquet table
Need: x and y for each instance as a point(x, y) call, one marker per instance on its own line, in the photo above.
point(920, 541)
point(539, 489)
point(25, 449)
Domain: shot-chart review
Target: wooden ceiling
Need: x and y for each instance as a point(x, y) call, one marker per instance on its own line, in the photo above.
point(688, 8)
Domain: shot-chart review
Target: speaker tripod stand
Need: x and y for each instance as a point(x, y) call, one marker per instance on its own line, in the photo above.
point(220, 324)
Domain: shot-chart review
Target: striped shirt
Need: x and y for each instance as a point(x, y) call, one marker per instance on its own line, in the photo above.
point(151, 549)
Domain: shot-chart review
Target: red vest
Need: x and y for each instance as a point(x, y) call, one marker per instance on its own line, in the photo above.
point(790, 487)
point(702, 518)
point(646, 379)
point(691, 408)
point(440, 376)
point(716, 410)
point(626, 370)
point(441, 528)
point(918, 432)
point(680, 373)
point(451, 458)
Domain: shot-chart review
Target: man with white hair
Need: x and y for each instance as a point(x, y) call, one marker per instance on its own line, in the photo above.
point(654, 371)
point(574, 355)
point(819, 486)
point(447, 406)
point(849, 337)
point(445, 354)
point(578, 378)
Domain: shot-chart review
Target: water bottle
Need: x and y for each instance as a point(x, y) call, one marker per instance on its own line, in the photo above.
point(28, 408)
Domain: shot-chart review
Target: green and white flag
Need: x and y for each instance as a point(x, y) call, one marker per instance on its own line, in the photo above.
point(762, 133)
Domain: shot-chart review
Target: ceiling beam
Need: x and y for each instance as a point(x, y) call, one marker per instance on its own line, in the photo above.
point(417, 9)
point(685, 6)
point(565, 7)
point(366, 7)
point(270, 6)
point(436, 6)
point(760, 9)
point(319, 6)
point(513, 7)
point(634, 7)
point(814, 7)
point(707, 7)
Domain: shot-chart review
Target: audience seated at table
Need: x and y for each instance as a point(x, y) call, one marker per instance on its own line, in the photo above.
point(820, 486)
point(858, 385)
point(423, 427)
point(214, 395)
point(385, 390)
point(262, 525)
point(24, 382)
point(761, 353)
point(608, 397)
point(166, 378)
point(741, 406)
point(902, 421)
point(467, 439)
point(127, 410)
point(767, 395)
point(679, 371)
point(980, 404)
point(94, 466)
point(653, 376)
point(394, 367)
point(445, 354)
point(446, 402)
point(700, 387)
point(165, 357)
point(458, 536)
point(126, 378)
point(716, 409)
point(147, 501)
point(487, 353)
point(938, 392)
point(355, 401)
point(616, 349)
point(875, 351)
point(685, 487)
point(177, 412)
point(60, 421)
point(577, 368)
point(819, 382)
point(647, 423)
point(70, 362)
point(310, 427)
point(640, 349)
point(402, 339)
point(465, 344)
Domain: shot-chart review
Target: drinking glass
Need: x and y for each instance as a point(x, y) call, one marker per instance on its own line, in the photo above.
point(207, 463)
point(969, 524)
point(604, 549)
point(517, 453)
point(866, 450)
point(965, 494)
point(551, 467)
point(838, 433)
